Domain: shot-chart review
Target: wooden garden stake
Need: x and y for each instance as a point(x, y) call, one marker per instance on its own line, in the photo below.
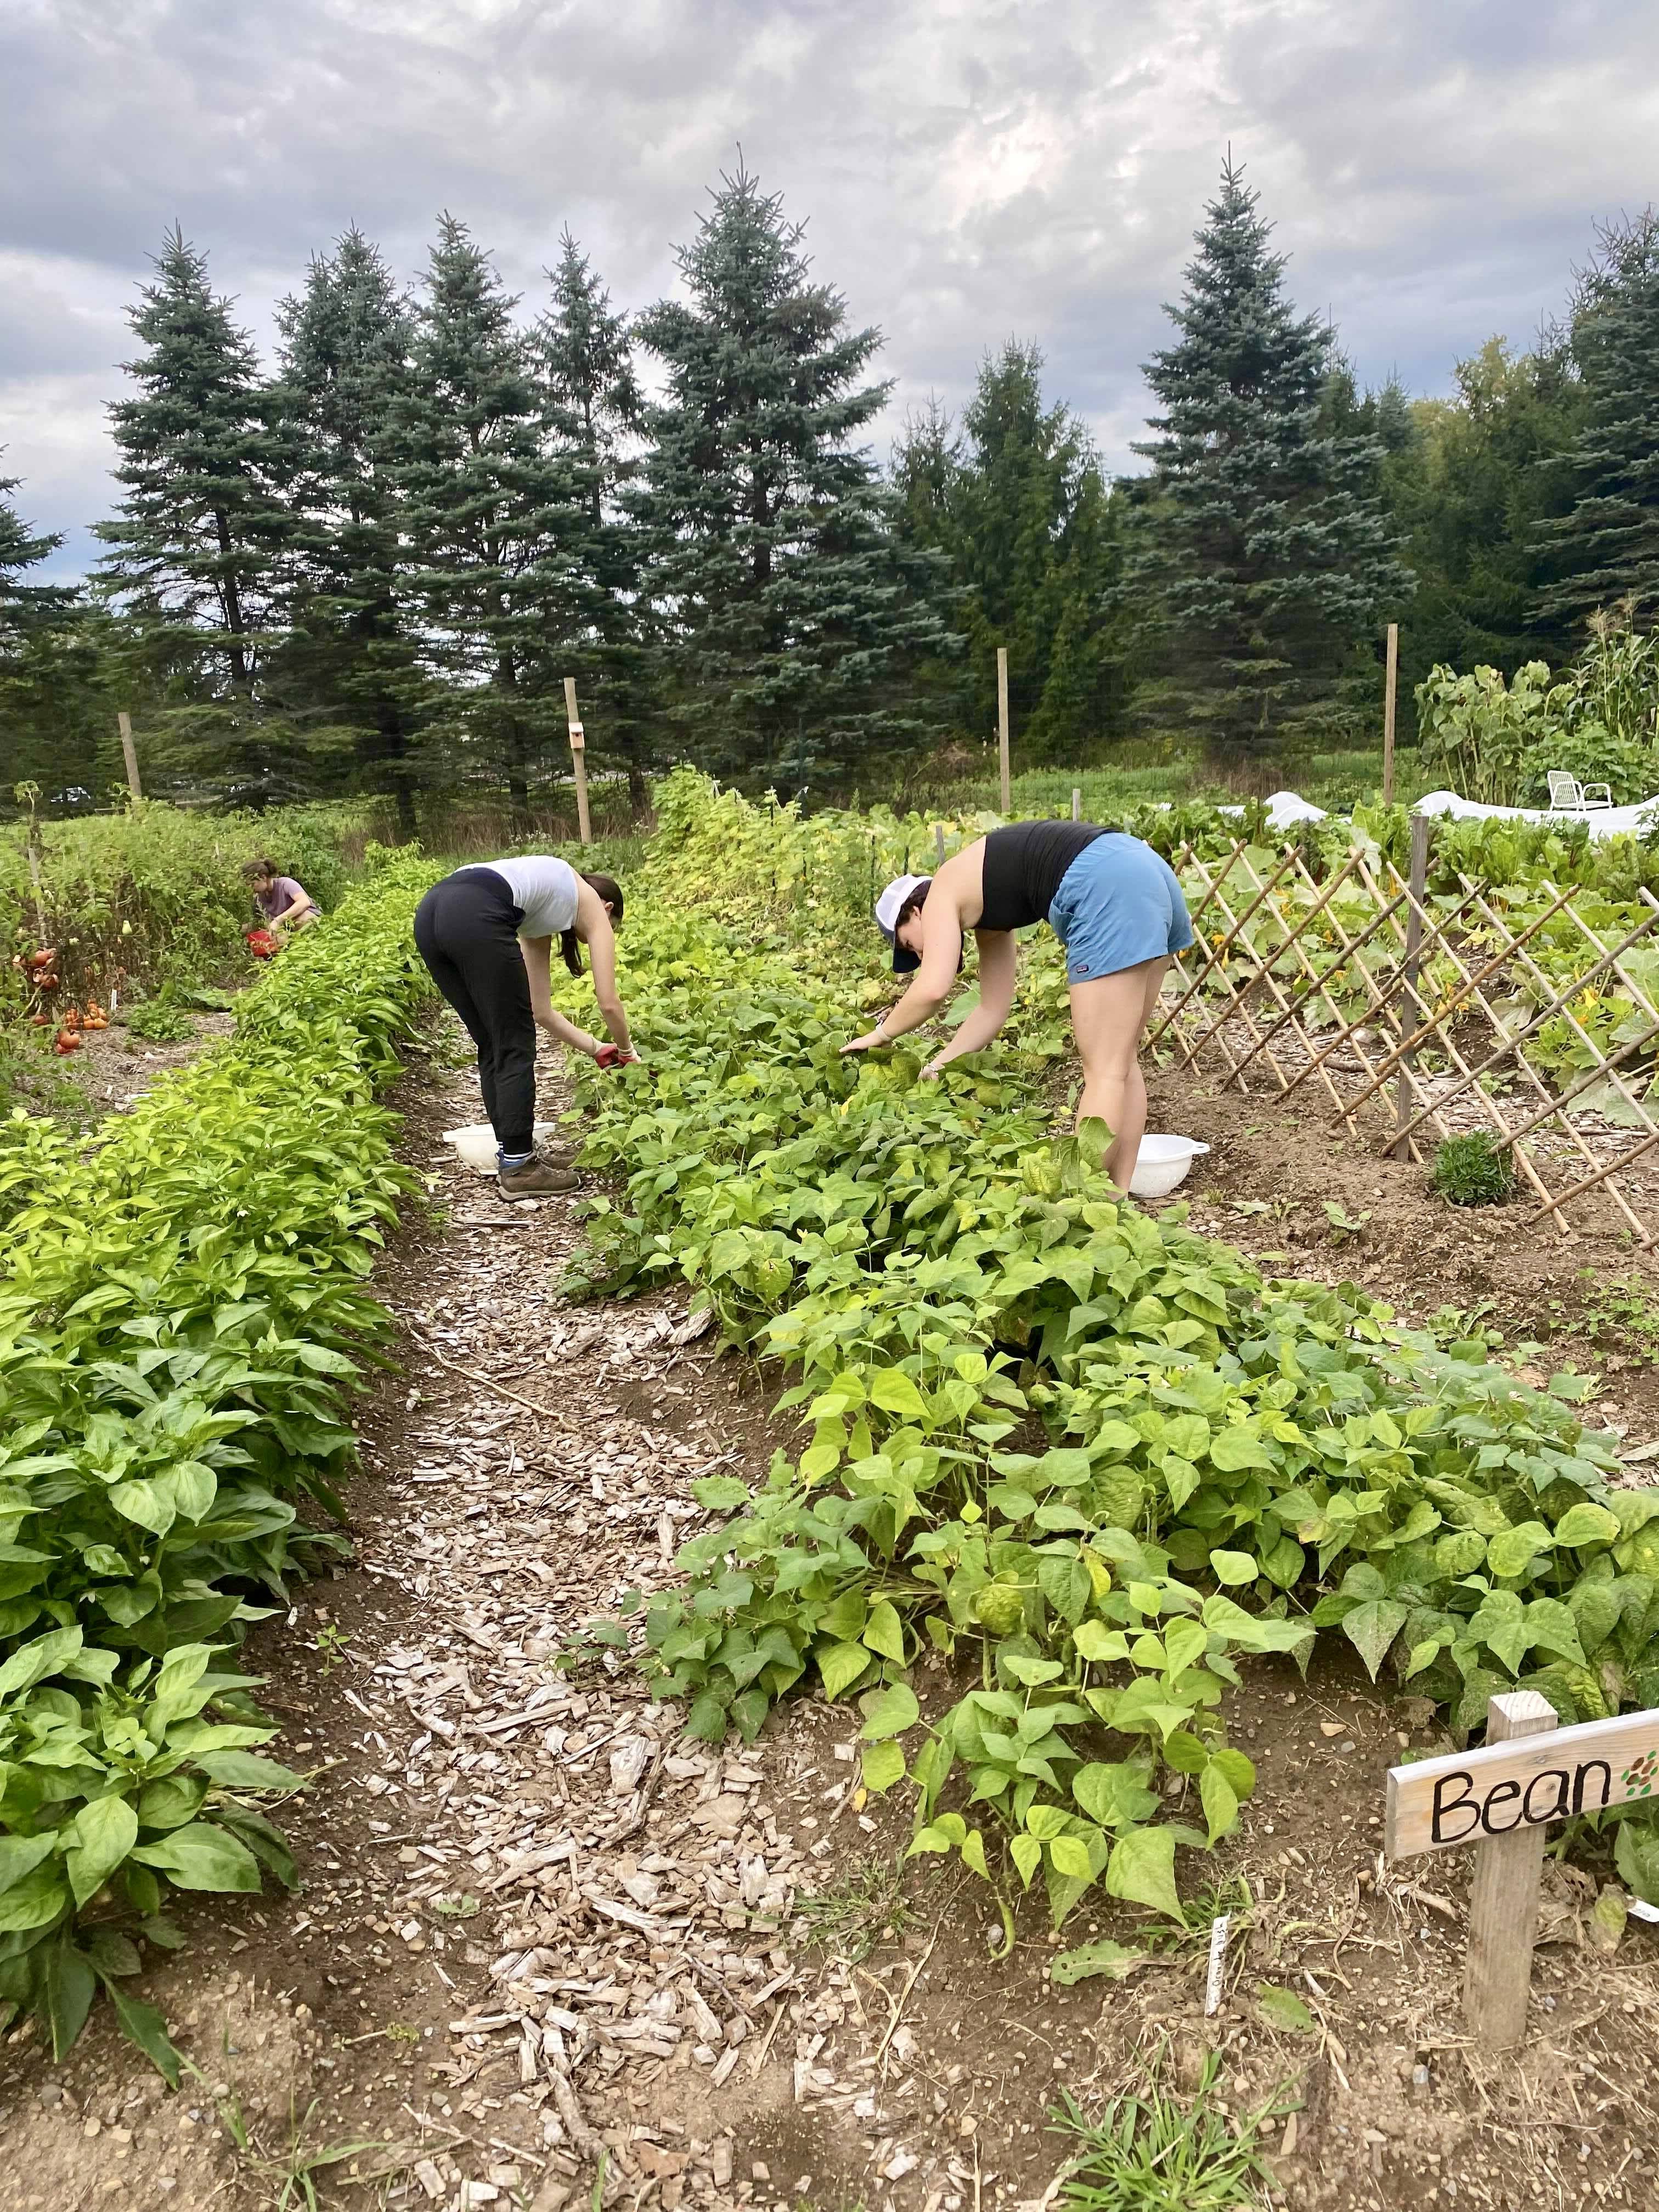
point(1528, 1774)
point(939, 844)
point(578, 759)
point(1002, 726)
point(1077, 803)
point(1389, 687)
point(1410, 1018)
point(1503, 1898)
point(124, 723)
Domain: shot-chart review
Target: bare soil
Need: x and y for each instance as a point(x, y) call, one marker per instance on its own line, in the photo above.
point(113, 1068)
point(533, 1916)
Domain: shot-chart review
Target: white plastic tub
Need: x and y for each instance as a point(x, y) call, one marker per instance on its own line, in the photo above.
point(1161, 1164)
point(477, 1145)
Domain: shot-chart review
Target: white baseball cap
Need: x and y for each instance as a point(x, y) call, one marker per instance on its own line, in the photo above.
point(887, 915)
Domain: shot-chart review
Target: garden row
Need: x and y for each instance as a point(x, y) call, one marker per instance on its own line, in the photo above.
point(149, 900)
point(1088, 1458)
point(181, 1315)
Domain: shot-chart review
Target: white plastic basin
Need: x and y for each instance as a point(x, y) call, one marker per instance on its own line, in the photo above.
point(1161, 1164)
point(477, 1145)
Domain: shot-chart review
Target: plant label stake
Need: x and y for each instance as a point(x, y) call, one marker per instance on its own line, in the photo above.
point(1077, 803)
point(578, 759)
point(1501, 1798)
point(1002, 726)
point(1391, 685)
point(939, 844)
point(1216, 1979)
point(129, 754)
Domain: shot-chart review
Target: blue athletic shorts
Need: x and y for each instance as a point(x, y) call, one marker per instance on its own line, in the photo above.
point(1118, 904)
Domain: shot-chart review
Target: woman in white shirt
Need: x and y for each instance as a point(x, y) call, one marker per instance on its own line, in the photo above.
point(486, 934)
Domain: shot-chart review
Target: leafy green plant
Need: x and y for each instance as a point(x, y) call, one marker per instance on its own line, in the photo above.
point(160, 1020)
point(1091, 1455)
point(153, 894)
point(866, 1907)
point(1156, 2151)
point(1344, 1226)
point(180, 1315)
point(1472, 1172)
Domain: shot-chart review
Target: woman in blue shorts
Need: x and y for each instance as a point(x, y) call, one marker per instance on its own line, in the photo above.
point(1114, 904)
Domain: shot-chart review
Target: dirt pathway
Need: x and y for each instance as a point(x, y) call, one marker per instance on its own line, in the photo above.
point(535, 1925)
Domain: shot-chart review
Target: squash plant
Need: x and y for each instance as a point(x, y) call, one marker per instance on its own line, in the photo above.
point(1094, 1457)
point(180, 1315)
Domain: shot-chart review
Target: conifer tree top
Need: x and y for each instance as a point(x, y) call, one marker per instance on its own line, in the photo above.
point(1242, 345)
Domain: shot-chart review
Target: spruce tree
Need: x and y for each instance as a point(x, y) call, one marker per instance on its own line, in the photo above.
point(350, 660)
point(197, 543)
point(586, 360)
point(1605, 548)
point(23, 605)
point(789, 614)
point(496, 519)
point(53, 702)
point(1264, 553)
point(1020, 506)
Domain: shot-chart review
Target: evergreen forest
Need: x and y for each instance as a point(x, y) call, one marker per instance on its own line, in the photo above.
point(367, 564)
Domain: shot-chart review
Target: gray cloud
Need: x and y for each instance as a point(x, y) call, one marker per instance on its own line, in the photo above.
point(971, 169)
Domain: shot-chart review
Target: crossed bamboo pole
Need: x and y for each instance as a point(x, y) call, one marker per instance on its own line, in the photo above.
point(1396, 998)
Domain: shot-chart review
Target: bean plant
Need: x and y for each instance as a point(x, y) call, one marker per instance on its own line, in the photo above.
point(1064, 1467)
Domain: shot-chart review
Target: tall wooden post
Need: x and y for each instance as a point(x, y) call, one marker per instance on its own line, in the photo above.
point(1410, 1018)
point(1503, 1898)
point(124, 723)
point(1389, 687)
point(1002, 726)
point(578, 759)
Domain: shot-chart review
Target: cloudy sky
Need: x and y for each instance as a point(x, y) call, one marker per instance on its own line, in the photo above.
point(969, 169)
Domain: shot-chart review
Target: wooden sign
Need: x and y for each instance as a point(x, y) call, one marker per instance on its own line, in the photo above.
point(1501, 1798)
point(1527, 1782)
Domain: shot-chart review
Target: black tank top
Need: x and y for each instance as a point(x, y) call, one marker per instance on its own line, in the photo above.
point(1024, 865)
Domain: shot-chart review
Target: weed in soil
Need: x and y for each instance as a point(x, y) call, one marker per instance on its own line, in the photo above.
point(1472, 1172)
point(867, 1907)
point(1155, 2152)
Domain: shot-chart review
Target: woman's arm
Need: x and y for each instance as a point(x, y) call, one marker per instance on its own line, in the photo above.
point(941, 958)
point(537, 952)
point(594, 918)
point(997, 966)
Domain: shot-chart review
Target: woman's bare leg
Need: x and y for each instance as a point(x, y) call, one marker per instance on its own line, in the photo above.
point(1108, 1018)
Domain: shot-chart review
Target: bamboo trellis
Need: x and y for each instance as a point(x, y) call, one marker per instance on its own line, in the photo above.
point(1266, 995)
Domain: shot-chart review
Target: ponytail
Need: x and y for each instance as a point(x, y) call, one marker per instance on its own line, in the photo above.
point(609, 891)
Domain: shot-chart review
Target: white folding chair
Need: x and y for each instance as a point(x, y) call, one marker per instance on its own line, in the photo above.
point(1568, 796)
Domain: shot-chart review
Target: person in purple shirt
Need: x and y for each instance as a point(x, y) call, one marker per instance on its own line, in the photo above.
point(283, 902)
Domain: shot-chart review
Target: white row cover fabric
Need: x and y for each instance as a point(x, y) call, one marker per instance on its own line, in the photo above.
point(1285, 808)
point(1599, 821)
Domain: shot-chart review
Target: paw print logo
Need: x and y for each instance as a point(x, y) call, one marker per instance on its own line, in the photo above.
point(1638, 1779)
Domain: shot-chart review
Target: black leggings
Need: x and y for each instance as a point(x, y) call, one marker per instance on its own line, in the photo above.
point(466, 930)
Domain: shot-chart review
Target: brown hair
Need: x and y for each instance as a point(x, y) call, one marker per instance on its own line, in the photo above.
point(609, 891)
point(914, 903)
point(253, 869)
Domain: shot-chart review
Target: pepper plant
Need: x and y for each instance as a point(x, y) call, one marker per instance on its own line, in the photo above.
point(180, 1315)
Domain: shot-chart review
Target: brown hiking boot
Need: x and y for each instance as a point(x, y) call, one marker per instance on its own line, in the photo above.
point(536, 1178)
